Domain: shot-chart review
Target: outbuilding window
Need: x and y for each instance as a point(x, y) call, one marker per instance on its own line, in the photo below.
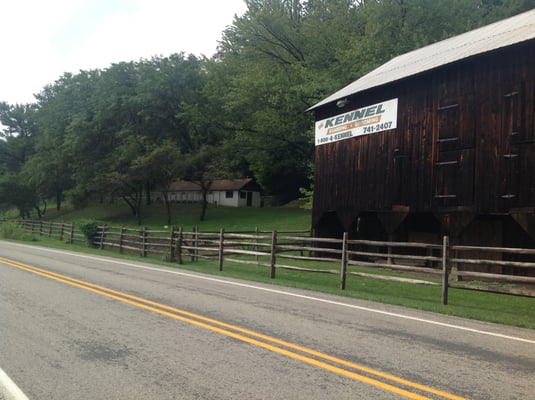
point(229, 194)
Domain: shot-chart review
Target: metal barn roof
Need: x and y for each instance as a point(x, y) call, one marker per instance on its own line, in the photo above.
point(500, 34)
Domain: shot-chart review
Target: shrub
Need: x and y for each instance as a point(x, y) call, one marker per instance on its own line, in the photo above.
point(13, 231)
point(90, 230)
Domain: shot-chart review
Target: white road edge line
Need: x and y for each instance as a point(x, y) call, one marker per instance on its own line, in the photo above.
point(9, 389)
point(290, 294)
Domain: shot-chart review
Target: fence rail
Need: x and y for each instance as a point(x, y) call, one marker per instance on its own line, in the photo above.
point(442, 265)
point(286, 250)
point(55, 230)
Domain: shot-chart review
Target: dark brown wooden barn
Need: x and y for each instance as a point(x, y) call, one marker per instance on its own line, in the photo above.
point(458, 155)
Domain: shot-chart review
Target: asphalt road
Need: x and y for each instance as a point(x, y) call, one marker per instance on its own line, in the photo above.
point(149, 332)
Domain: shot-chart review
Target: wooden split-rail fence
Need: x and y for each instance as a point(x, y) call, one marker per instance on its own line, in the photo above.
point(509, 270)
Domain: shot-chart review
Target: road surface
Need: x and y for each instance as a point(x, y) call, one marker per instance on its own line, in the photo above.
point(75, 326)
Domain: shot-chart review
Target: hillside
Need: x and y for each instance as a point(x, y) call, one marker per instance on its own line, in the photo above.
point(289, 217)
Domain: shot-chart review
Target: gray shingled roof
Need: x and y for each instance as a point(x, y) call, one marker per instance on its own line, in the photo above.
point(221, 184)
point(491, 37)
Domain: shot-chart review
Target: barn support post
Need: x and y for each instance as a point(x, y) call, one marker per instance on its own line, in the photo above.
point(220, 252)
point(273, 262)
point(343, 265)
point(446, 256)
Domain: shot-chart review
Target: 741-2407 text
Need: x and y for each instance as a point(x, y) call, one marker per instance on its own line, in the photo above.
point(377, 128)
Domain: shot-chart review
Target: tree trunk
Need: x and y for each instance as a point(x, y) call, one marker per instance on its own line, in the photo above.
point(149, 198)
point(204, 203)
point(59, 198)
point(167, 207)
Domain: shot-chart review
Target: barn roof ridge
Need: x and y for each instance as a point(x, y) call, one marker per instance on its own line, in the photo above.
point(500, 34)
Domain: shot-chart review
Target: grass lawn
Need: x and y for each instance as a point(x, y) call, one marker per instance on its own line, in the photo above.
point(187, 216)
point(492, 307)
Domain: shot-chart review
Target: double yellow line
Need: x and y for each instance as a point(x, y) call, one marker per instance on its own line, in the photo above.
point(378, 379)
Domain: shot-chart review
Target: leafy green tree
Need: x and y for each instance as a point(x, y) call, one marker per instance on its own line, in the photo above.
point(17, 134)
point(263, 57)
point(202, 167)
point(127, 174)
point(16, 192)
point(163, 164)
point(61, 107)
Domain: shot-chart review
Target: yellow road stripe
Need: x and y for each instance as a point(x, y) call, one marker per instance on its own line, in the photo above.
point(186, 317)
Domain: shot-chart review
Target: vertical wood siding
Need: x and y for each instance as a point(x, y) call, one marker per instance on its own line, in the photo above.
point(465, 139)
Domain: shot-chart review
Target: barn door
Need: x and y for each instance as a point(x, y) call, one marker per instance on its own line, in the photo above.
point(455, 155)
point(513, 138)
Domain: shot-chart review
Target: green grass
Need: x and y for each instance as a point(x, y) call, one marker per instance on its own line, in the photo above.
point(187, 216)
point(492, 307)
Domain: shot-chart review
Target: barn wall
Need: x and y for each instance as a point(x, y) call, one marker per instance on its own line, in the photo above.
point(464, 146)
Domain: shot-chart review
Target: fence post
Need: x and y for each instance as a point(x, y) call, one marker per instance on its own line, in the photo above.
point(61, 231)
point(144, 242)
point(40, 228)
point(389, 249)
point(179, 246)
point(220, 253)
point(195, 245)
point(50, 225)
point(343, 266)
point(171, 247)
point(102, 234)
point(71, 239)
point(121, 240)
point(445, 268)
point(273, 254)
point(257, 231)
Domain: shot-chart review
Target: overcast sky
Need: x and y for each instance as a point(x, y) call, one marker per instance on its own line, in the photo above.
point(42, 39)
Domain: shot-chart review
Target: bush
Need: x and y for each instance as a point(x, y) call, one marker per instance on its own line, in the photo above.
point(90, 230)
point(13, 231)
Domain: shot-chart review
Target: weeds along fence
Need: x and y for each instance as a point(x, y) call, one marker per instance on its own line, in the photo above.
point(444, 264)
point(498, 269)
point(66, 232)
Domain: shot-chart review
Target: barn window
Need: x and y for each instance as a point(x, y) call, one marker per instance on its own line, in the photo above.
point(229, 194)
point(243, 195)
point(512, 113)
point(448, 127)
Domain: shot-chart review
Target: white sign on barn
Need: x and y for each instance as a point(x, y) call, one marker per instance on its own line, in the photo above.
point(364, 121)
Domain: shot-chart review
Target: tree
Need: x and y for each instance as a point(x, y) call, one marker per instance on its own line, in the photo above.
point(16, 192)
point(202, 167)
point(127, 174)
point(62, 107)
point(262, 56)
point(163, 165)
point(18, 134)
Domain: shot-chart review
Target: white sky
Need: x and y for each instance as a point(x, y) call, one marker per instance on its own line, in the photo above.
point(42, 39)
